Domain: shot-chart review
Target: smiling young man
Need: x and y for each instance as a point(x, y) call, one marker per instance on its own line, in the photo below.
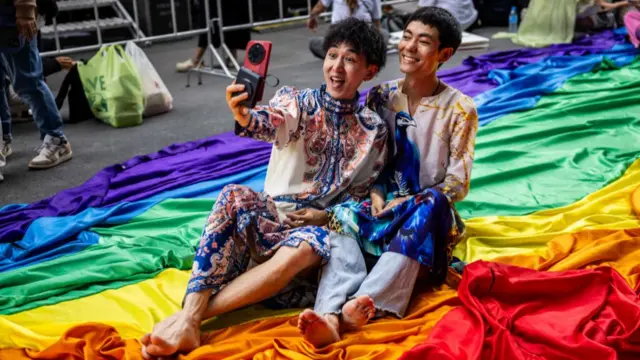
point(410, 221)
point(327, 149)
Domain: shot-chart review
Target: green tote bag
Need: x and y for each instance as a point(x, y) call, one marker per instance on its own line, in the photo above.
point(113, 87)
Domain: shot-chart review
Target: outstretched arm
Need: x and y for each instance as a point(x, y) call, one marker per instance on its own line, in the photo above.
point(280, 122)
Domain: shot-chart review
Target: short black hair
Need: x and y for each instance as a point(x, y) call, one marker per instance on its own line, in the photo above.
point(448, 26)
point(362, 36)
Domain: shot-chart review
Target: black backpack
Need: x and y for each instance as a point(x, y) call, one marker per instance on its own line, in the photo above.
point(72, 89)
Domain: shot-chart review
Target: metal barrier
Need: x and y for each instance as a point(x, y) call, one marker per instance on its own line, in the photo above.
point(139, 36)
point(225, 72)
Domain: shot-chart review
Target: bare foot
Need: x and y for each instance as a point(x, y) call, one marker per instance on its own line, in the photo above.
point(178, 333)
point(318, 330)
point(357, 312)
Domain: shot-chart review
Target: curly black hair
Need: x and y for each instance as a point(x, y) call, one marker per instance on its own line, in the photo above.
point(448, 26)
point(362, 36)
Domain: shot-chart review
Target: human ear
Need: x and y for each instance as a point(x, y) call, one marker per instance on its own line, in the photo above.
point(372, 70)
point(445, 55)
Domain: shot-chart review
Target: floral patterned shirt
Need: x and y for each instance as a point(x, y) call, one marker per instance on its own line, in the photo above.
point(325, 151)
point(434, 148)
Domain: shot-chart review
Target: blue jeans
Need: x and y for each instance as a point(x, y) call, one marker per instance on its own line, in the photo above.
point(25, 69)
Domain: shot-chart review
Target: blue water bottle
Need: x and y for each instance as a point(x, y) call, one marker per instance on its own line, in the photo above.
point(513, 20)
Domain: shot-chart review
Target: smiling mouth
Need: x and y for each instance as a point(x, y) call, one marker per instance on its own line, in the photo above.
point(408, 59)
point(336, 82)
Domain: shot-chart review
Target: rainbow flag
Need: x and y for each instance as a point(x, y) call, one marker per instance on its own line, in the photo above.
point(88, 271)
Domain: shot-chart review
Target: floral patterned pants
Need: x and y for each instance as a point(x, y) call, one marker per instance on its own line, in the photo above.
point(245, 224)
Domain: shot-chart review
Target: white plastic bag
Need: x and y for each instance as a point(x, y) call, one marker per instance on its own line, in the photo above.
point(157, 97)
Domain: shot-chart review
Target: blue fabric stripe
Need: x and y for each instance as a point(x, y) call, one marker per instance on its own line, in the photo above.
point(51, 237)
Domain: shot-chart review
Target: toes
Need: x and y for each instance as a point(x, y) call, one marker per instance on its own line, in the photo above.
point(365, 302)
point(358, 311)
point(309, 316)
point(157, 340)
point(145, 354)
point(365, 305)
point(160, 347)
point(155, 350)
point(146, 339)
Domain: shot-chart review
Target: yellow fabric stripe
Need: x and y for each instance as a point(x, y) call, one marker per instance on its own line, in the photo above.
point(497, 236)
point(132, 310)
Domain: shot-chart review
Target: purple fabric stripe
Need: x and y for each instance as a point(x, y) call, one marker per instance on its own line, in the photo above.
point(472, 77)
point(144, 176)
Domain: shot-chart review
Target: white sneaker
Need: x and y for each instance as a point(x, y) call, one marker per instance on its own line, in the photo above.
point(185, 66)
point(5, 148)
point(52, 152)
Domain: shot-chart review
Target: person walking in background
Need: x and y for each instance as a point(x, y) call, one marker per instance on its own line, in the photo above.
point(365, 10)
point(19, 109)
point(235, 14)
point(24, 65)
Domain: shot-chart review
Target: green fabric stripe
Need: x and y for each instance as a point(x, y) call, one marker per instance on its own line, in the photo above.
point(574, 142)
point(153, 241)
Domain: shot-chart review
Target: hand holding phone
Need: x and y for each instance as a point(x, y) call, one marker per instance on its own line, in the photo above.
point(254, 72)
point(235, 98)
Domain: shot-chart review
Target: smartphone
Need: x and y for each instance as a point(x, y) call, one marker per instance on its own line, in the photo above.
point(254, 71)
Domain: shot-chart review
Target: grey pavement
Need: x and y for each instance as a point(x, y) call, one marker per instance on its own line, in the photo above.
point(199, 111)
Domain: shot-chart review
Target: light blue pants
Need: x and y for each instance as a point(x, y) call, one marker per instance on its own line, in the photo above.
point(24, 67)
point(389, 283)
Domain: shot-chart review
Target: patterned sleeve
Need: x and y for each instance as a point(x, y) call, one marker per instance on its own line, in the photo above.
point(462, 149)
point(280, 122)
point(376, 162)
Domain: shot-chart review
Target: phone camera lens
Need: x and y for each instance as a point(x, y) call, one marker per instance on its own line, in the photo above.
point(256, 53)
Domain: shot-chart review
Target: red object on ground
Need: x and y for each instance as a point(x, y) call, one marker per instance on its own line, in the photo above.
point(513, 313)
